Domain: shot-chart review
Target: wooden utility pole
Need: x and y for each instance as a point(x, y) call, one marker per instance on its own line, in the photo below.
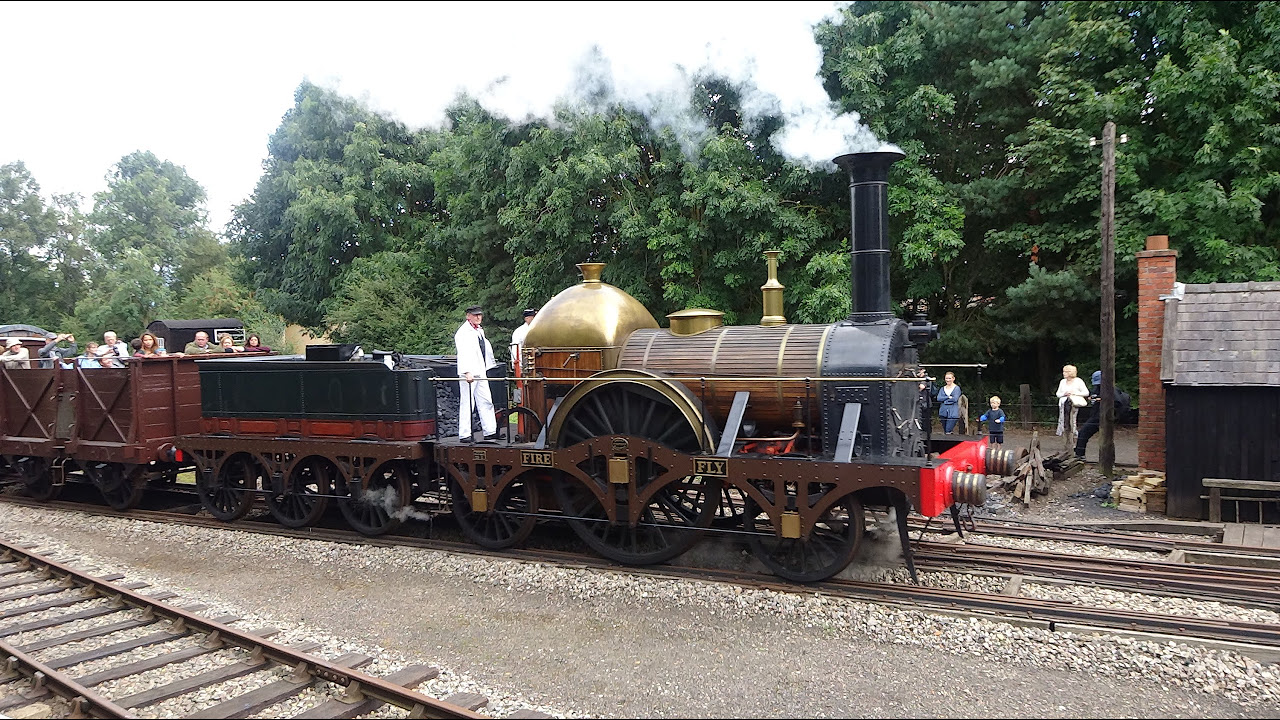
point(1107, 393)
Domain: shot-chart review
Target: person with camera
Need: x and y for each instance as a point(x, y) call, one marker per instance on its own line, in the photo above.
point(112, 350)
point(52, 352)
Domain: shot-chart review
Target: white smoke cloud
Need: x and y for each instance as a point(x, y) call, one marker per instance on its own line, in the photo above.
point(204, 85)
point(772, 58)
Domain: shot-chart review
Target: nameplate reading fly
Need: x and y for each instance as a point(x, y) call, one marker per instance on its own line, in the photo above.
point(535, 458)
point(710, 467)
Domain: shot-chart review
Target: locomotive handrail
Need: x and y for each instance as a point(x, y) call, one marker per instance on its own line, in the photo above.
point(710, 378)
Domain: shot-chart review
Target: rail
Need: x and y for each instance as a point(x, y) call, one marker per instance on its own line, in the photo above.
point(358, 684)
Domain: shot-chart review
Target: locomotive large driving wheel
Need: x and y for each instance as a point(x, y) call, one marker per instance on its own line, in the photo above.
point(35, 475)
point(828, 549)
point(507, 521)
point(304, 496)
point(379, 506)
point(229, 495)
point(121, 485)
point(647, 406)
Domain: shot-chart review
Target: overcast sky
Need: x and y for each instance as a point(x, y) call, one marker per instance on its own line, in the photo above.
point(204, 85)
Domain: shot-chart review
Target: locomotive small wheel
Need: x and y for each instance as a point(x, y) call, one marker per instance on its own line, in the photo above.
point(36, 479)
point(668, 527)
point(509, 519)
point(305, 493)
point(378, 507)
point(829, 548)
point(121, 485)
point(732, 505)
point(229, 496)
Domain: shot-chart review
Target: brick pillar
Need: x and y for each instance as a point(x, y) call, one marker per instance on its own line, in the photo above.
point(1157, 272)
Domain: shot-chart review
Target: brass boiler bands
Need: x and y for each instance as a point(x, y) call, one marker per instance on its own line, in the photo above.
point(748, 351)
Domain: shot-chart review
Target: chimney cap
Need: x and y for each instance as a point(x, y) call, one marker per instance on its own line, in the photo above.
point(887, 155)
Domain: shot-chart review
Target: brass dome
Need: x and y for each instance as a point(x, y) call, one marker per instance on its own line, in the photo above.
point(592, 315)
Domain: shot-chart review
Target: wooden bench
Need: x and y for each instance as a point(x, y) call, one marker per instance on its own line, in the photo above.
point(1215, 486)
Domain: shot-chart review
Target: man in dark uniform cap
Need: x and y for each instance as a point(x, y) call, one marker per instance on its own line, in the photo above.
point(517, 346)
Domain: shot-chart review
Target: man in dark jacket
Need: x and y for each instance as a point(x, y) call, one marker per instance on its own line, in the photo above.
point(1092, 425)
point(51, 352)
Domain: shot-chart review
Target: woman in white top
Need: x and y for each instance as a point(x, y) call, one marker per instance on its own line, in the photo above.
point(1073, 394)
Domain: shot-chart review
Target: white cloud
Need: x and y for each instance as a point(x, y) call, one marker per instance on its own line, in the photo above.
point(204, 85)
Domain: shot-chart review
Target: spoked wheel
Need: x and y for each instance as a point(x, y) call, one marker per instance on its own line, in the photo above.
point(652, 408)
point(668, 526)
point(732, 505)
point(119, 484)
point(509, 518)
point(304, 498)
point(37, 480)
point(379, 507)
point(229, 496)
point(827, 550)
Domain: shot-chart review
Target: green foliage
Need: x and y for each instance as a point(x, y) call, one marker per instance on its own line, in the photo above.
point(997, 103)
point(126, 300)
point(154, 208)
point(341, 183)
point(28, 233)
point(379, 306)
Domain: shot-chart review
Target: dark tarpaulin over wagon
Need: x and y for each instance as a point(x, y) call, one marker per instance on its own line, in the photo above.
point(175, 334)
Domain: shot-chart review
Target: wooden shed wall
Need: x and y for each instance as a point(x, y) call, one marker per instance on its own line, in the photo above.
point(1223, 432)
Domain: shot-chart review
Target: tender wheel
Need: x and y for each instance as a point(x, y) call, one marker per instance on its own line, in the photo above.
point(119, 484)
point(37, 480)
point(657, 410)
point(509, 519)
point(379, 507)
point(229, 496)
point(304, 498)
point(827, 550)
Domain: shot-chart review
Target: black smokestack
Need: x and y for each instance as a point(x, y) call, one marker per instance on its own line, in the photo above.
point(869, 261)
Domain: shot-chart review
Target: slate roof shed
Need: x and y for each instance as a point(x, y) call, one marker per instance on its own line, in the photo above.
point(1220, 367)
point(1223, 334)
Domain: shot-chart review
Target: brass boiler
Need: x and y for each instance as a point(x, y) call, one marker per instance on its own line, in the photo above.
point(692, 351)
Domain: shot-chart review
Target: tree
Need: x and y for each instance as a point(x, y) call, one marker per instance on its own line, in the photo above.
point(341, 183)
point(1194, 86)
point(27, 227)
point(126, 300)
point(995, 103)
point(154, 208)
point(953, 84)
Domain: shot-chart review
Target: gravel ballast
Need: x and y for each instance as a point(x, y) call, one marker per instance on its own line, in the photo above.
point(580, 642)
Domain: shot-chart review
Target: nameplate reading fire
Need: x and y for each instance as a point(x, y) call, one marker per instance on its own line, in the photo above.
point(714, 468)
point(535, 458)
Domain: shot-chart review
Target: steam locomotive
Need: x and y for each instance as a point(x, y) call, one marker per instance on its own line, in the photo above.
point(642, 439)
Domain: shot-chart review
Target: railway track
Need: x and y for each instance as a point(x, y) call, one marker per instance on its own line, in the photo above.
point(1245, 587)
point(49, 670)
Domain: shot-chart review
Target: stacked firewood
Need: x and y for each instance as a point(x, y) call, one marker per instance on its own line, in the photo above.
point(1034, 474)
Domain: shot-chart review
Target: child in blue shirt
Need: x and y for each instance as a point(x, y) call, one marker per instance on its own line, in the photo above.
point(994, 418)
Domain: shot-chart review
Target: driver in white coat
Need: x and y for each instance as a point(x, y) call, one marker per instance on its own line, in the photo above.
point(475, 357)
